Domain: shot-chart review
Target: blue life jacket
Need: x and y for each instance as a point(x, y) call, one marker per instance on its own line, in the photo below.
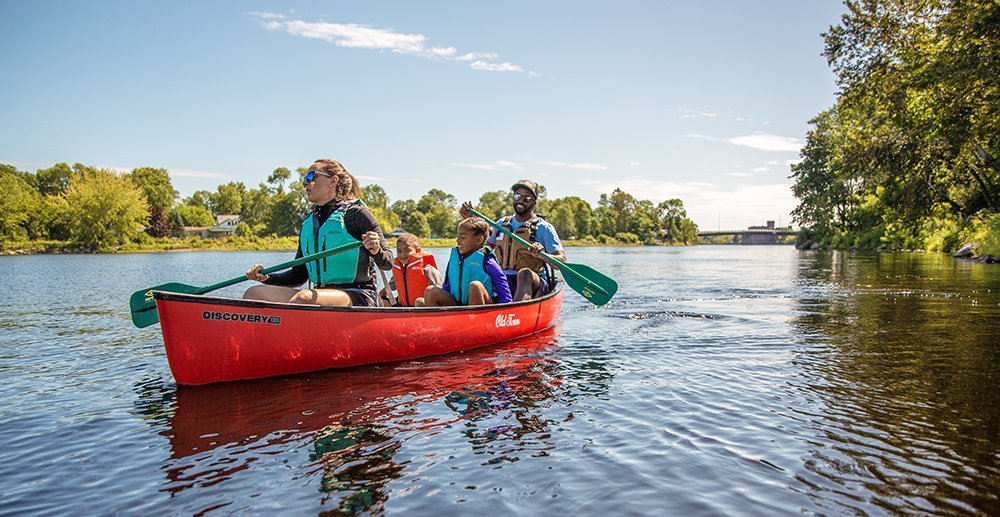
point(462, 271)
point(341, 268)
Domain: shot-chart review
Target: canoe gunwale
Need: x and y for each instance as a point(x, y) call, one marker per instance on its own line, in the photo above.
point(261, 304)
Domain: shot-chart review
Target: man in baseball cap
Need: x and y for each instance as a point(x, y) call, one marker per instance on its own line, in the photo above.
point(527, 274)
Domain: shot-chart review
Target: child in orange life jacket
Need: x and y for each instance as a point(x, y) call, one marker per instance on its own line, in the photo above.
point(473, 276)
point(413, 271)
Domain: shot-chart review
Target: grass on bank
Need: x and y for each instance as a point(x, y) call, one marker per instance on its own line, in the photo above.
point(250, 243)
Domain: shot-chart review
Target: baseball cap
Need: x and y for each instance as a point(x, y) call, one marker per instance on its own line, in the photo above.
point(528, 184)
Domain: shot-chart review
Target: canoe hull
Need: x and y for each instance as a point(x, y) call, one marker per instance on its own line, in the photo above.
point(210, 339)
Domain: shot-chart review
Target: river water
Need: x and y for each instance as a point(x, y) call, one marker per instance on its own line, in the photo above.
point(720, 380)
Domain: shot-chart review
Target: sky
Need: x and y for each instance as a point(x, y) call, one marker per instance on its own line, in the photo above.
point(706, 101)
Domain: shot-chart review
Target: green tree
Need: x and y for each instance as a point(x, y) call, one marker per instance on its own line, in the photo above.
point(374, 197)
point(287, 212)
point(495, 204)
point(160, 195)
point(403, 207)
point(190, 215)
point(436, 197)
point(256, 212)
point(674, 221)
point(20, 205)
point(415, 223)
point(228, 199)
point(54, 180)
point(915, 132)
point(443, 221)
point(202, 198)
point(575, 217)
point(278, 178)
point(562, 217)
point(103, 209)
point(156, 185)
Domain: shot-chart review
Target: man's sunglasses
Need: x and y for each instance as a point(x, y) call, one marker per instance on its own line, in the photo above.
point(523, 197)
point(311, 176)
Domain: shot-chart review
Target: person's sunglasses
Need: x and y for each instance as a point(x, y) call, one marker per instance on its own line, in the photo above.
point(523, 197)
point(311, 176)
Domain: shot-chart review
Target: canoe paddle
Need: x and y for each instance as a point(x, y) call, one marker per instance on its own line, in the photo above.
point(590, 283)
point(144, 306)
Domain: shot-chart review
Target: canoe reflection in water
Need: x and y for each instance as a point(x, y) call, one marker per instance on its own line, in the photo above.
point(351, 423)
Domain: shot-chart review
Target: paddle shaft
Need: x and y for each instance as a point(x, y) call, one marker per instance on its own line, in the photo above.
point(565, 268)
point(283, 265)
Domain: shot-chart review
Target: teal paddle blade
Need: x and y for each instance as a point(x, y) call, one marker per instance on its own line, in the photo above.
point(593, 285)
point(143, 306)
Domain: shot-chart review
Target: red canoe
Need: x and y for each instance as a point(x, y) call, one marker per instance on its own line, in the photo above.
point(211, 339)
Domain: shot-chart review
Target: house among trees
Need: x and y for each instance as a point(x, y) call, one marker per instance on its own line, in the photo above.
point(224, 226)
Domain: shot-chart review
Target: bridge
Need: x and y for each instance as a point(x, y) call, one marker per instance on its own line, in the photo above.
point(753, 235)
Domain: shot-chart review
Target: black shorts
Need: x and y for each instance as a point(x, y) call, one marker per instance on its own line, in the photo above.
point(543, 282)
point(359, 297)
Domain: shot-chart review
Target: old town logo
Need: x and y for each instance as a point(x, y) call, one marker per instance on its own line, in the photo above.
point(244, 318)
point(507, 320)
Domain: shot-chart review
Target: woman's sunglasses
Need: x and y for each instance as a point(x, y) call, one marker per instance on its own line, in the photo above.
point(311, 176)
point(523, 197)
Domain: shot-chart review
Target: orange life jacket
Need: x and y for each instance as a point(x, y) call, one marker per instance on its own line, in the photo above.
point(410, 278)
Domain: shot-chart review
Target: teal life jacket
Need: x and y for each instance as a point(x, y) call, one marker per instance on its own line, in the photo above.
point(341, 268)
point(462, 271)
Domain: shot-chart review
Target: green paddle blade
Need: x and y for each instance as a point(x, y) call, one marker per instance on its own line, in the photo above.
point(143, 305)
point(593, 285)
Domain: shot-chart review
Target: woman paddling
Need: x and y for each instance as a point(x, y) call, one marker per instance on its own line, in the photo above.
point(338, 217)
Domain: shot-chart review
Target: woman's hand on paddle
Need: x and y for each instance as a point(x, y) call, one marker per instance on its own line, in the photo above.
point(371, 242)
point(464, 211)
point(254, 273)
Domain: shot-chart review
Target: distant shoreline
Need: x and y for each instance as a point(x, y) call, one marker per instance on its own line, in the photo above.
point(261, 244)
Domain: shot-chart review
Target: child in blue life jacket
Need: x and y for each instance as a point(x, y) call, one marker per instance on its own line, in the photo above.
point(473, 276)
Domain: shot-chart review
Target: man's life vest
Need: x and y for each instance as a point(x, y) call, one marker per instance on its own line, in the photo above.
point(513, 255)
point(410, 278)
point(462, 271)
point(341, 268)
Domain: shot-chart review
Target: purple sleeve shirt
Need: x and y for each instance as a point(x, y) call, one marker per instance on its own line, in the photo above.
point(500, 285)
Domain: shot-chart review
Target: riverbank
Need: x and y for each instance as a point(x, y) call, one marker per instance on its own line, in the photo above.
point(53, 247)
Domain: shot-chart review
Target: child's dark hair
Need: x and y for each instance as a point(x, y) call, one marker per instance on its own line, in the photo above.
point(409, 239)
point(476, 225)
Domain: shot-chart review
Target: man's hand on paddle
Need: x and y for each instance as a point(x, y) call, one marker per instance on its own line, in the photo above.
point(464, 211)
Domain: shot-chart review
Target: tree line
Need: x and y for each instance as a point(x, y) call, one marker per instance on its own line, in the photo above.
point(907, 157)
point(100, 209)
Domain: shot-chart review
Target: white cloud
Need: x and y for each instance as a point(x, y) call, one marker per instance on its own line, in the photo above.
point(495, 67)
point(634, 163)
point(495, 166)
point(761, 141)
point(686, 113)
point(732, 206)
point(761, 169)
point(475, 56)
point(353, 35)
point(768, 142)
point(580, 166)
